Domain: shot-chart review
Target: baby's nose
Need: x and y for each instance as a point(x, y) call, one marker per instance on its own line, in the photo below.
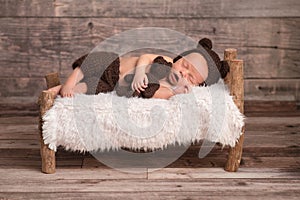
point(183, 73)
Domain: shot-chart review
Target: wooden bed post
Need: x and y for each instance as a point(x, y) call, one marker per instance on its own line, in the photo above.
point(46, 100)
point(235, 82)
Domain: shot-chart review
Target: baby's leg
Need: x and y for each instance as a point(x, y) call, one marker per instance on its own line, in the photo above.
point(80, 88)
point(72, 84)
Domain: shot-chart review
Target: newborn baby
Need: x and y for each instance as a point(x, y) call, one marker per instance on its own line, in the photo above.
point(147, 76)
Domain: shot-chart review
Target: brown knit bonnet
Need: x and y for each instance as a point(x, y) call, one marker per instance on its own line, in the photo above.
point(216, 68)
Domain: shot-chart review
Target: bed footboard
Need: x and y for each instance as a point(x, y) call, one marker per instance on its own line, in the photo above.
point(45, 101)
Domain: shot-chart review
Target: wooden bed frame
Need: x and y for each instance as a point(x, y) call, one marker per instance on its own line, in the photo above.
point(234, 80)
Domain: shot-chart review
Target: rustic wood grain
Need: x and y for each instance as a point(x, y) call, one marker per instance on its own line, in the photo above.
point(20, 144)
point(269, 47)
point(43, 45)
point(16, 119)
point(52, 80)
point(253, 173)
point(266, 171)
point(26, 8)
point(251, 161)
point(29, 52)
point(156, 174)
point(14, 46)
point(284, 121)
point(98, 185)
point(46, 100)
point(35, 153)
point(39, 37)
point(35, 163)
point(253, 152)
point(235, 82)
point(27, 45)
point(150, 9)
point(19, 131)
point(174, 195)
point(264, 56)
point(178, 9)
point(217, 161)
point(229, 54)
point(270, 105)
point(272, 89)
point(22, 87)
point(13, 106)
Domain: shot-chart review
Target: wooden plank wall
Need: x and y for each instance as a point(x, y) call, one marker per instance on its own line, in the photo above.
point(38, 37)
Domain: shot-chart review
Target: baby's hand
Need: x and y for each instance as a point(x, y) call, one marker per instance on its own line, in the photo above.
point(140, 81)
point(182, 87)
point(66, 91)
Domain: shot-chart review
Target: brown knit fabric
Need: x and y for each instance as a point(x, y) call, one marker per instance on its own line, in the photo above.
point(109, 78)
point(222, 66)
point(108, 81)
point(216, 69)
point(160, 68)
point(99, 64)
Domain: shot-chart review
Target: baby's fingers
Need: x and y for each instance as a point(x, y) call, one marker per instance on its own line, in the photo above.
point(146, 81)
point(135, 87)
point(139, 87)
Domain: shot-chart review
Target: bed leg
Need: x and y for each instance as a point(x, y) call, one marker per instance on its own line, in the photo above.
point(235, 81)
point(46, 101)
point(235, 155)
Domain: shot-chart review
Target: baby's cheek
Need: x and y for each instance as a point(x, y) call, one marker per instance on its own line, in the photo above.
point(176, 66)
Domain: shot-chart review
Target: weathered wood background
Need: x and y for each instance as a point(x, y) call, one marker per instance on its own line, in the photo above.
point(38, 37)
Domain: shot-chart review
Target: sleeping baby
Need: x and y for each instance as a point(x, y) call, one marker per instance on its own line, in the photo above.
point(146, 76)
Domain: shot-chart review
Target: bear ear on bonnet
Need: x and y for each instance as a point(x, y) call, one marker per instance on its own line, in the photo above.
point(205, 42)
point(222, 66)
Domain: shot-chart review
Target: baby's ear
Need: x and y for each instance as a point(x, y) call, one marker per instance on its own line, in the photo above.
point(205, 42)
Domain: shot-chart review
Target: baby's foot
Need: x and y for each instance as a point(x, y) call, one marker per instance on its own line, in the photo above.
point(55, 89)
point(67, 91)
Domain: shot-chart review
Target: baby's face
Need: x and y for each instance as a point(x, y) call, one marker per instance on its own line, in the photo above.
point(192, 67)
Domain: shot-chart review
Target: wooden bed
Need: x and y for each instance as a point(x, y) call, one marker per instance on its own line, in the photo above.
point(234, 80)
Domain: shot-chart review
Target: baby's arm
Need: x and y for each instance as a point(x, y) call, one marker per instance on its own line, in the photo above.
point(166, 93)
point(163, 93)
point(140, 80)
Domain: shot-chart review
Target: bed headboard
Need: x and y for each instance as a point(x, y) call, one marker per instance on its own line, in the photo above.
point(235, 77)
point(235, 82)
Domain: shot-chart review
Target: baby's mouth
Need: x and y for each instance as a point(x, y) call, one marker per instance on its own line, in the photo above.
point(173, 78)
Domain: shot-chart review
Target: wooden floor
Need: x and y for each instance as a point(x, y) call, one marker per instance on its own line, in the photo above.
point(270, 167)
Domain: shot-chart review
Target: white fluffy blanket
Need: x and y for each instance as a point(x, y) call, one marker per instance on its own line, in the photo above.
point(106, 121)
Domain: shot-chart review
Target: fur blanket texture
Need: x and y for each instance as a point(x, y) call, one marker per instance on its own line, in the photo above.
point(108, 122)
